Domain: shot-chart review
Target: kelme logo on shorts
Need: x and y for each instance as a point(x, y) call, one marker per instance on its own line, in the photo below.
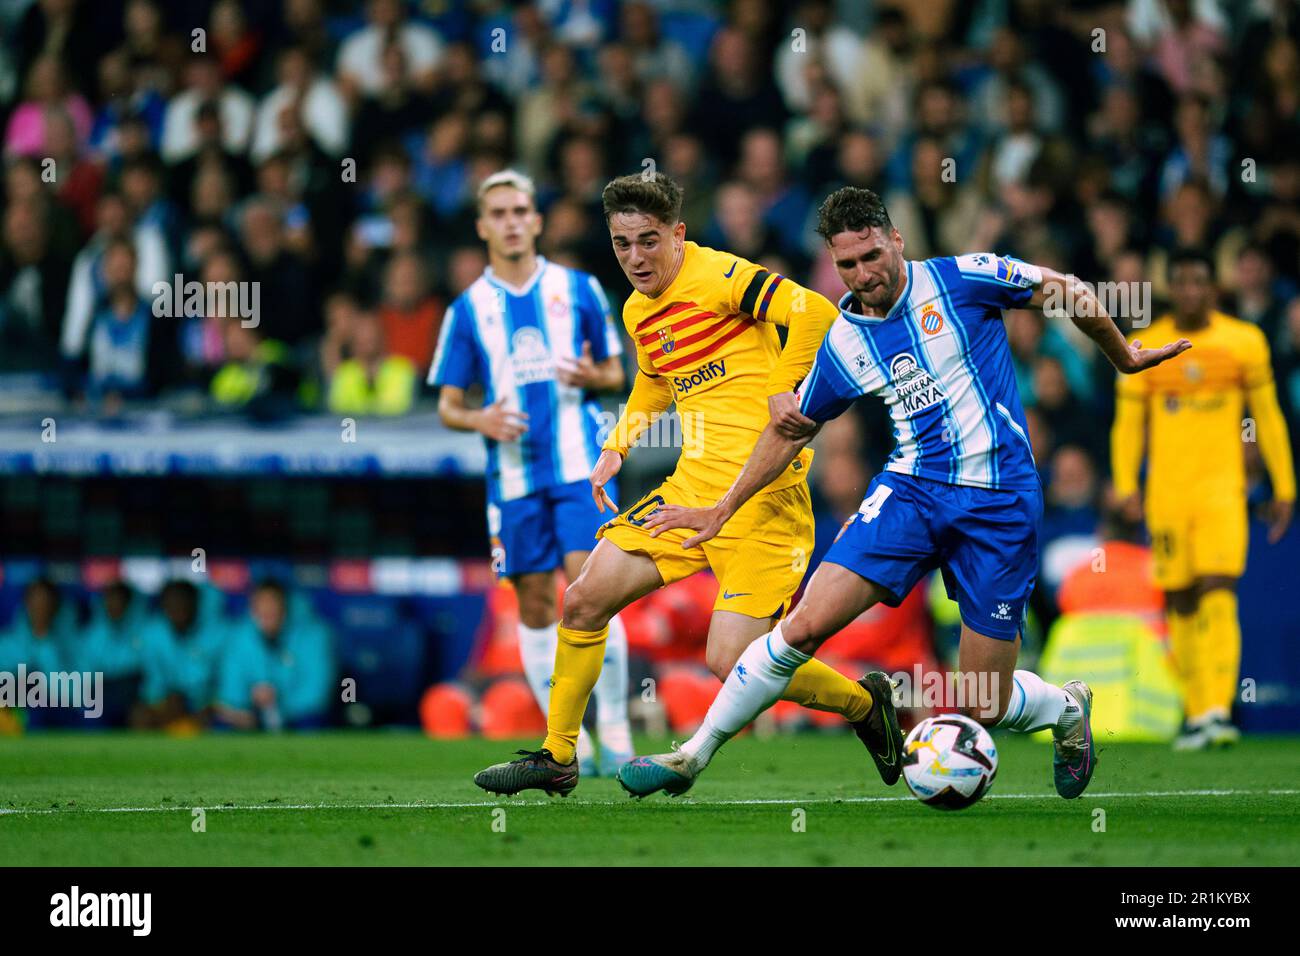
point(684, 383)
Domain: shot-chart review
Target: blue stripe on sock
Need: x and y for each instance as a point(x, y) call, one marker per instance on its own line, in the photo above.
point(1023, 698)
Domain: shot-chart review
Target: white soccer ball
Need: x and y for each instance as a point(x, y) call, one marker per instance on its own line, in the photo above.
point(949, 761)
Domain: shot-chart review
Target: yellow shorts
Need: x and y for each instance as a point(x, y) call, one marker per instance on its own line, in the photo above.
point(759, 557)
point(1196, 536)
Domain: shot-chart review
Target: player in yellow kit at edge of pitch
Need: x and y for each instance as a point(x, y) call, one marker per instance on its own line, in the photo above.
point(1189, 415)
point(703, 324)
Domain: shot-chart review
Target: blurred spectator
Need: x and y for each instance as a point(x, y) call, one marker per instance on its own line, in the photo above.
point(211, 160)
point(78, 178)
point(315, 98)
point(87, 287)
point(257, 374)
point(142, 188)
point(822, 44)
point(440, 173)
point(738, 226)
point(1258, 299)
point(373, 381)
point(278, 670)
point(341, 311)
point(33, 286)
point(409, 314)
point(46, 95)
point(124, 101)
point(1198, 152)
point(1070, 515)
point(234, 45)
point(113, 642)
point(783, 203)
point(39, 631)
point(128, 347)
point(69, 31)
point(1010, 70)
point(360, 62)
point(737, 95)
point(288, 307)
point(935, 212)
point(181, 649)
point(204, 86)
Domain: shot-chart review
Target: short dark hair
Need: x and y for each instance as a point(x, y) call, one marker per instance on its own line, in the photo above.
point(851, 209)
point(180, 588)
point(274, 585)
point(656, 195)
point(1188, 255)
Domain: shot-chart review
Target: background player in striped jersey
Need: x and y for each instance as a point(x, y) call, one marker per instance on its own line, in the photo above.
point(1188, 416)
point(540, 340)
point(703, 323)
point(960, 493)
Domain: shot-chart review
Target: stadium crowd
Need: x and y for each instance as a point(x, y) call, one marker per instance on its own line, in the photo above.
point(327, 154)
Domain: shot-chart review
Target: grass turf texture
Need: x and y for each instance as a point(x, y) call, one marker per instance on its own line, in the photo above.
point(71, 779)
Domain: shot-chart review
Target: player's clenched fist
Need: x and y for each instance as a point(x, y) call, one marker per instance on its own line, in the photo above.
point(607, 466)
point(707, 521)
point(500, 423)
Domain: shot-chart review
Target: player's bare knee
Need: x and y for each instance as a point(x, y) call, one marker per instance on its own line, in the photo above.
point(582, 610)
point(720, 660)
point(536, 613)
point(801, 632)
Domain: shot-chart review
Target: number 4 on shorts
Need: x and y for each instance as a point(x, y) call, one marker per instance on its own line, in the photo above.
point(870, 506)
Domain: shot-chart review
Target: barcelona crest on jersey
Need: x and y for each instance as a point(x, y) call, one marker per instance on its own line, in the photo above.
point(666, 339)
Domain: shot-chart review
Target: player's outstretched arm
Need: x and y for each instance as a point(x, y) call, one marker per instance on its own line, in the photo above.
point(1087, 313)
point(771, 456)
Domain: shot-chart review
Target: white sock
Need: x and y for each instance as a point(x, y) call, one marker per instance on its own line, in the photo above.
point(612, 726)
point(537, 652)
point(1036, 704)
point(754, 684)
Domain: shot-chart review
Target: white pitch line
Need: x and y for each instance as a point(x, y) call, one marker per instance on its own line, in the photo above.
point(12, 811)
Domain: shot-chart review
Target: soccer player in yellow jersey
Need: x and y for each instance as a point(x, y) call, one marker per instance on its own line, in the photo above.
point(1189, 413)
point(704, 326)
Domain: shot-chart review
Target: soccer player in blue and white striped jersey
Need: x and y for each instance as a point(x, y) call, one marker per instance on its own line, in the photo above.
point(959, 494)
point(540, 340)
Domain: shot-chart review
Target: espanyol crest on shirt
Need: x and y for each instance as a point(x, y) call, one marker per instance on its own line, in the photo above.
point(666, 339)
point(931, 320)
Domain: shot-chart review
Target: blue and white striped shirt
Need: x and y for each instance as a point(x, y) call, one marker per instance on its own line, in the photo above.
point(941, 363)
point(509, 340)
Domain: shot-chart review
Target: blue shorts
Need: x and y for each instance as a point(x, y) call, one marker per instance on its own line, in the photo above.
point(535, 532)
point(984, 541)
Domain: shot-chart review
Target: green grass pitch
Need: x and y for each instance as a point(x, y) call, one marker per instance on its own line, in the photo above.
point(397, 798)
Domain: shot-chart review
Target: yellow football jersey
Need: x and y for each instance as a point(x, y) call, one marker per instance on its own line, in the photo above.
point(1195, 406)
point(711, 334)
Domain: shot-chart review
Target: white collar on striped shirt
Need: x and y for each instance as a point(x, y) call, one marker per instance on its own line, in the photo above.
point(526, 287)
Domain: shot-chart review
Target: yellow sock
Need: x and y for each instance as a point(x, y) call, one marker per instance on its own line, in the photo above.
point(1220, 648)
point(821, 687)
point(578, 657)
point(1183, 644)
